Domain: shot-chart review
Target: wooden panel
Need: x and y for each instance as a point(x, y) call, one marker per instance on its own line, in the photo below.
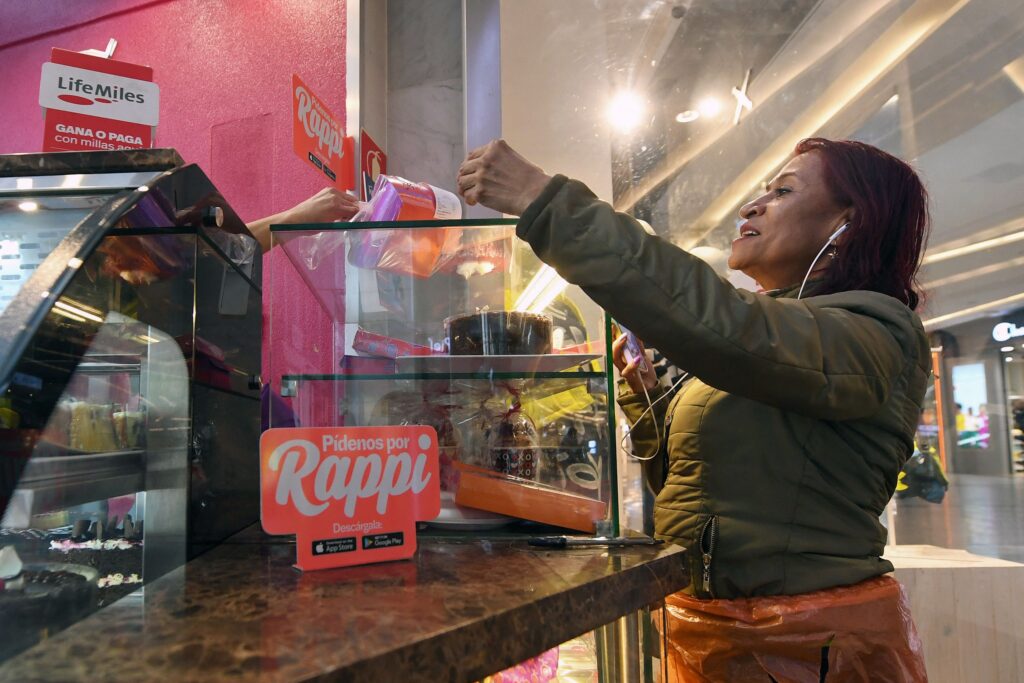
point(970, 619)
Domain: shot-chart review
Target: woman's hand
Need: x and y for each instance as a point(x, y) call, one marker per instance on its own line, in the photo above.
point(326, 206)
point(499, 178)
point(629, 370)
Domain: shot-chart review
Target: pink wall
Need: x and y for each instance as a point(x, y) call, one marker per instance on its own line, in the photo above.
point(224, 71)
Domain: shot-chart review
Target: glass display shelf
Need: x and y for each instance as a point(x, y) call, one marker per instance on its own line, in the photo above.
point(457, 325)
point(129, 350)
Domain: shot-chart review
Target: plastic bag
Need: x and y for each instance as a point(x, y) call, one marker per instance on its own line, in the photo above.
point(922, 476)
point(419, 251)
point(862, 632)
point(540, 669)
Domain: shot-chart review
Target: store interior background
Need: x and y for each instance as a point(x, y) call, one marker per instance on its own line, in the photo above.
point(938, 82)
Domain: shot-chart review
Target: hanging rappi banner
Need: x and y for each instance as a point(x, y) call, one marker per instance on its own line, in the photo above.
point(372, 163)
point(97, 103)
point(351, 495)
point(319, 137)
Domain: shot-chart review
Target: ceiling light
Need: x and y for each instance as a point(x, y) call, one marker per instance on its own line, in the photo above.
point(28, 205)
point(687, 116)
point(971, 248)
point(709, 107)
point(1006, 349)
point(626, 111)
point(971, 311)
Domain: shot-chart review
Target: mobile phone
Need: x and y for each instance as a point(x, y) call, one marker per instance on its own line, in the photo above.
point(633, 349)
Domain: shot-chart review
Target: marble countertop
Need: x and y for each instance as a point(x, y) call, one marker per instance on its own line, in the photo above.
point(463, 608)
point(115, 161)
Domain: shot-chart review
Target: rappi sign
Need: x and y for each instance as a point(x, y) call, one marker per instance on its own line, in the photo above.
point(372, 163)
point(319, 138)
point(95, 103)
point(351, 495)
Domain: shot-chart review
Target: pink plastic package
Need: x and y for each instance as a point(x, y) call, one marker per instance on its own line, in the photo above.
point(412, 251)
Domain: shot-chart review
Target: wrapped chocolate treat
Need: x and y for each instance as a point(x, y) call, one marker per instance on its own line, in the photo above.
point(514, 446)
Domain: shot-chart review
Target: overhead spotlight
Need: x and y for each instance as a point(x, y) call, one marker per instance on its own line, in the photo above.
point(687, 116)
point(626, 111)
point(709, 107)
point(28, 206)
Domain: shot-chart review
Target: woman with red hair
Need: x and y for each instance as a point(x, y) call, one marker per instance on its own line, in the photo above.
point(775, 459)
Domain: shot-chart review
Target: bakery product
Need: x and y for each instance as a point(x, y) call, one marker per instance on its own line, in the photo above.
point(41, 600)
point(514, 446)
point(499, 333)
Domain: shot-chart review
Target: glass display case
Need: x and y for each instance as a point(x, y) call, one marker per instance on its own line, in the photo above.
point(130, 315)
point(457, 325)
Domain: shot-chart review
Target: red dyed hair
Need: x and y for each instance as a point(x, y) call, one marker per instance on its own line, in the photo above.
point(881, 250)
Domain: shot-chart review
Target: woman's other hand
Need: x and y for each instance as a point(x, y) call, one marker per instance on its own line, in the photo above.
point(499, 178)
point(326, 206)
point(629, 370)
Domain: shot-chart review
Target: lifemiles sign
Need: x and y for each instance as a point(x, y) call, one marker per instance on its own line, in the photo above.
point(319, 138)
point(94, 103)
point(351, 495)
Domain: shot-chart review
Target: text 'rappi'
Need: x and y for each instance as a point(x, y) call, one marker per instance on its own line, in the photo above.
point(351, 495)
point(318, 124)
point(346, 479)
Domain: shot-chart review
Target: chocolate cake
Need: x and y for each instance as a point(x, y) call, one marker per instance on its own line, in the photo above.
point(499, 333)
point(108, 558)
point(42, 600)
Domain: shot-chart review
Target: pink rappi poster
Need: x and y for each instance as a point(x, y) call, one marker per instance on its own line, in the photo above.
point(351, 495)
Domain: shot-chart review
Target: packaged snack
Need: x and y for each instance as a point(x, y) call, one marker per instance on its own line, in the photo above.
point(414, 251)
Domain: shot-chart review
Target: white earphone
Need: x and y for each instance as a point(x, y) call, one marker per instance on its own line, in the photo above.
point(832, 238)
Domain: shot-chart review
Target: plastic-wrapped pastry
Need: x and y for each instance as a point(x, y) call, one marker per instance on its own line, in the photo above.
point(92, 427)
point(58, 429)
point(129, 425)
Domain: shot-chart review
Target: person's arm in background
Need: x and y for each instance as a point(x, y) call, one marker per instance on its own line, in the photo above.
point(326, 206)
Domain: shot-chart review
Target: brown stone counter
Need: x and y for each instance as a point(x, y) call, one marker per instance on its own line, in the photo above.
point(461, 609)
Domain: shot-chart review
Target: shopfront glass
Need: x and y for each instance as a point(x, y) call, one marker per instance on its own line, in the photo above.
point(694, 105)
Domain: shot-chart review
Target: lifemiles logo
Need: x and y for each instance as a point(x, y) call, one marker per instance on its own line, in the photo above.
point(81, 91)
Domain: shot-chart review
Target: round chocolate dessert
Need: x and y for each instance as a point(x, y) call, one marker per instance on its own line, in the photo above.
point(499, 333)
point(42, 600)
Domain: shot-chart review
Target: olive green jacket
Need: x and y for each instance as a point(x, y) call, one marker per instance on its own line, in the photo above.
point(784, 448)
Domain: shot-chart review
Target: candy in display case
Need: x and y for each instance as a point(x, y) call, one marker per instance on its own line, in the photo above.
point(488, 346)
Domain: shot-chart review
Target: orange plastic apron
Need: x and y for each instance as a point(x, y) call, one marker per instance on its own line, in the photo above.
point(867, 629)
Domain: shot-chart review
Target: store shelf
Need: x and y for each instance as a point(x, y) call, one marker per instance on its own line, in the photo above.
point(109, 363)
point(386, 225)
point(529, 365)
point(62, 478)
point(428, 376)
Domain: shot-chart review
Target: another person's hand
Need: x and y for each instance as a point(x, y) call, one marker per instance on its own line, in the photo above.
point(499, 178)
point(629, 369)
point(326, 206)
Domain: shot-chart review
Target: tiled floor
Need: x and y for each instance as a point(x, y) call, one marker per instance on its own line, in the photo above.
point(981, 514)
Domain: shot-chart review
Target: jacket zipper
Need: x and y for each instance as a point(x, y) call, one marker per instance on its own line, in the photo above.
point(708, 538)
